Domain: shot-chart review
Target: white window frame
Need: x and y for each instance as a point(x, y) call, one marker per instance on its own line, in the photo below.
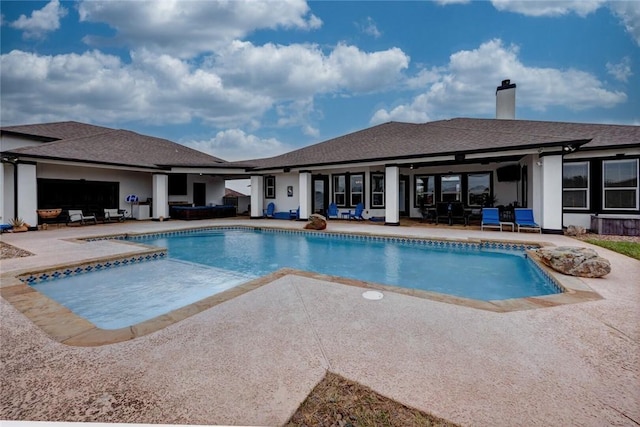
point(488, 192)
point(425, 189)
point(374, 193)
point(604, 188)
point(352, 193)
point(270, 187)
point(458, 191)
point(586, 189)
point(336, 192)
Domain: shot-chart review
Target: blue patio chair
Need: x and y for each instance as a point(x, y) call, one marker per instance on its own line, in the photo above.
point(524, 220)
point(357, 215)
point(333, 211)
point(271, 207)
point(490, 218)
point(294, 213)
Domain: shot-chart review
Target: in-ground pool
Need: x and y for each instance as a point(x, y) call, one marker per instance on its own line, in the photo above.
point(203, 263)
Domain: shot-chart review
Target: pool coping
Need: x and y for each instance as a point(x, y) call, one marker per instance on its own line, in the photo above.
point(64, 326)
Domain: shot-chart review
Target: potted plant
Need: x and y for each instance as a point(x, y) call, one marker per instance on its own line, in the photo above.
point(18, 225)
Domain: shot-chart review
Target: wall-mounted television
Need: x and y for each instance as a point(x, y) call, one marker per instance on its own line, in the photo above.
point(178, 184)
point(508, 173)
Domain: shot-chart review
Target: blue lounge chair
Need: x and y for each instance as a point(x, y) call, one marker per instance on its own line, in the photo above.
point(524, 220)
point(357, 215)
point(490, 218)
point(333, 211)
point(271, 207)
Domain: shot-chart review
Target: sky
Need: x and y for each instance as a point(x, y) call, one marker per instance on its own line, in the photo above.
point(245, 80)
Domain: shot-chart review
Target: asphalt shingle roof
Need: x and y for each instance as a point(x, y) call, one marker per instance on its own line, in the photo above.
point(396, 140)
point(393, 140)
point(57, 130)
point(110, 146)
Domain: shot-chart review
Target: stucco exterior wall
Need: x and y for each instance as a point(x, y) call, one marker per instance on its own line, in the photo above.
point(10, 142)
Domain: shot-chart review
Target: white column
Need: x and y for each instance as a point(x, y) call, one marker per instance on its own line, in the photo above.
point(257, 196)
point(3, 215)
point(8, 196)
point(391, 196)
point(551, 217)
point(305, 191)
point(27, 193)
point(160, 194)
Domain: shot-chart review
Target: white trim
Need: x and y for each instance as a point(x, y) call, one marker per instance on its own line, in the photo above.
point(586, 190)
point(604, 188)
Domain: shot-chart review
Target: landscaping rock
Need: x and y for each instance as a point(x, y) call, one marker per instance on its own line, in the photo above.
point(575, 230)
point(316, 222)
point(575, 261)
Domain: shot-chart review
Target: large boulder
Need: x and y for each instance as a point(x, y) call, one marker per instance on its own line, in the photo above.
point(575, 261)
point(316, 222)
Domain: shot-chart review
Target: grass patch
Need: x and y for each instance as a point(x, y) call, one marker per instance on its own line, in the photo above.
point(630, 249)
point(336, 401)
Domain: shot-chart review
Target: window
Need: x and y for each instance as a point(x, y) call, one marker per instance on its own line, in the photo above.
point(425, 189)
point(348, 189)
point(340, 190)
point(377, 190)
point(620, 184)
point(479, 188)
point(450, 191)
point(356, 188)
point(269, 187)
point(575, 185)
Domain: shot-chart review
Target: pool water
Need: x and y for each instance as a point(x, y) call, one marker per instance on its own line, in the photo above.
point(204, 263)
point(117, 297)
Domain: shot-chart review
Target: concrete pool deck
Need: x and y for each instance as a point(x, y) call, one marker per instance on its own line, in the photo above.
point(253, 359)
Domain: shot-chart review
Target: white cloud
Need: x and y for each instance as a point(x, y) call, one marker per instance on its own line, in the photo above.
point(548, 7)
point(235, 88)
point(97, 87)
point(41, 21)
point(466, 85)
point(300, 71)
point(629, 14)
point(627, 11)
point(370, 28)
point(621, 71)
point(187, 28)
point(235, 144)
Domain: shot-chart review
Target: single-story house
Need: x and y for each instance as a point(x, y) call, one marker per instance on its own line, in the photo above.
point(71, 165)
point(567, 173)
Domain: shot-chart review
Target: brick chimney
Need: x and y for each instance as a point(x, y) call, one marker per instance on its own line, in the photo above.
point(506, 100)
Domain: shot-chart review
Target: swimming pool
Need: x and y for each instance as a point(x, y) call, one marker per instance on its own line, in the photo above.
point(202, 263)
